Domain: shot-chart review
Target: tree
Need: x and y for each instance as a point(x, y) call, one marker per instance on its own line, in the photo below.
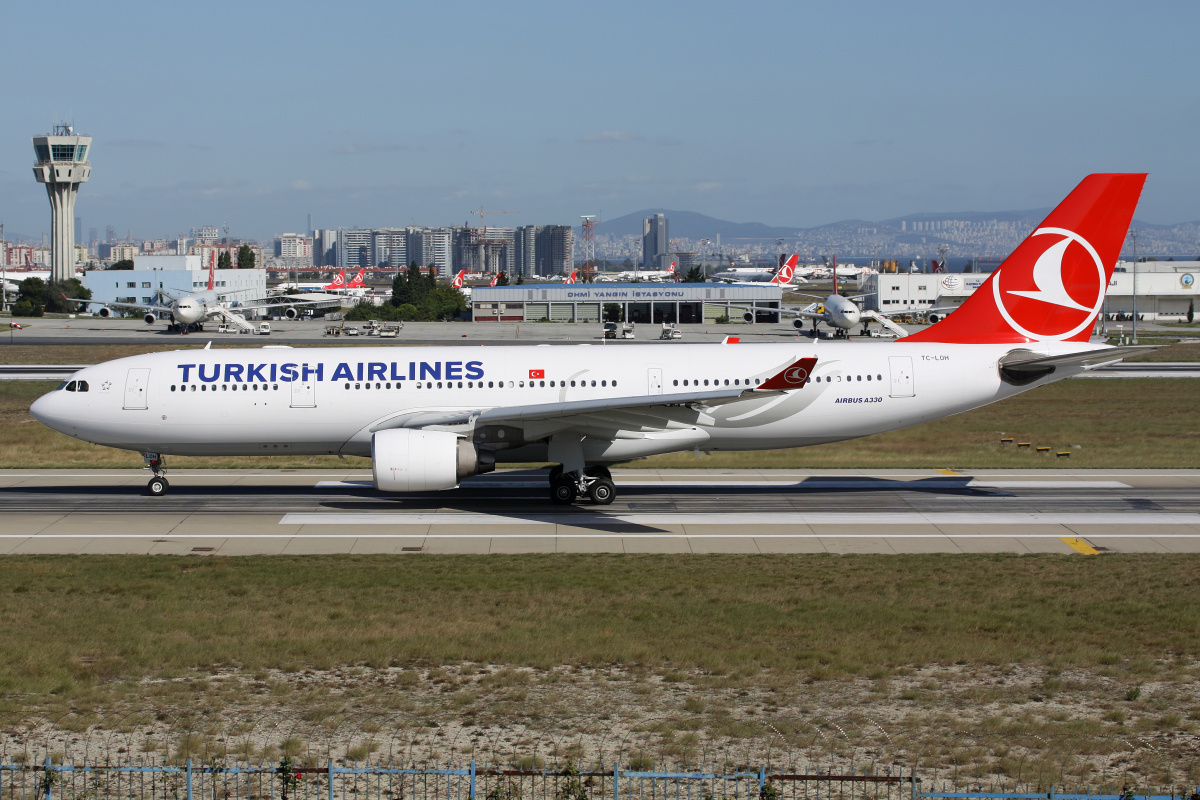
point(245, 257)
point(431, 277)
point(520, 278)
point(224, 261)
point(400, 288)
point(418, 286)
point(124, 263)
point(694, 275)
point(502, 279)
point(1191, 315)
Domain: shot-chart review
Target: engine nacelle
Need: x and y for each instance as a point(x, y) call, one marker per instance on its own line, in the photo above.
point(933, 318)
point(798, 322)
point(404, 460)
point(105, 312)
point(290, 312)
point(149, 319)
point(748, 316)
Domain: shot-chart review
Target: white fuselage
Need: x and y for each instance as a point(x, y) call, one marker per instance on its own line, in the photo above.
point(278, 401)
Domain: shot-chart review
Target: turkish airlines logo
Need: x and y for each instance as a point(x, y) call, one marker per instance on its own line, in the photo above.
point(796, 376)
point(1059, 312)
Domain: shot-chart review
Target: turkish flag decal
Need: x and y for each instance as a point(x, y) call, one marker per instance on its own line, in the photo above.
point(537, 373)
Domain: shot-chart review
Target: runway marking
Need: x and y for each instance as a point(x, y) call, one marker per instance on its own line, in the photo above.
point(882, 484)
point(746, 521)
point(1079, 545)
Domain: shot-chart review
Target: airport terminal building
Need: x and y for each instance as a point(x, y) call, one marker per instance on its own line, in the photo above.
point(1165, 289)
point(175, 274)
point(649, 303)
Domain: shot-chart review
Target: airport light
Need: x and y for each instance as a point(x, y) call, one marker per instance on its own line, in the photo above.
point(1133, 234)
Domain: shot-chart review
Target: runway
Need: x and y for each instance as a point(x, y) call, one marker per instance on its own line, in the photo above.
point(239, 512)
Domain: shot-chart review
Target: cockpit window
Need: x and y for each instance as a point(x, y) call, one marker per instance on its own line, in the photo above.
point(70, 387)
point(62, 385)
point(83, 386)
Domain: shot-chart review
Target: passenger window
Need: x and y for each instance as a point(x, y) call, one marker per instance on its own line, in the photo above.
point(868, 377)
point(604, 383)
point(224, 387)
point(572, 384)
point(439, 384)
point(735, 382)
point(614, 383)
point(542, 384)
point(193, 387)
point(593, 383)
point(347, 387)
point(706, 381)
point(172, 387)
point(489, 384)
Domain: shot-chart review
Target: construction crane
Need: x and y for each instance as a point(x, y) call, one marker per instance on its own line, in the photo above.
point(484, 241)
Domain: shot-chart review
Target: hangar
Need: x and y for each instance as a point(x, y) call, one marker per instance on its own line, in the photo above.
point(1165, 290)
point(649, 303)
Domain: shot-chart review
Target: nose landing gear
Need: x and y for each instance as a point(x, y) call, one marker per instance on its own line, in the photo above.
point(593, 482)
point(158, 485)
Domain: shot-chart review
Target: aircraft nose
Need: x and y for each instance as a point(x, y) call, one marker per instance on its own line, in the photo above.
point(45, 410)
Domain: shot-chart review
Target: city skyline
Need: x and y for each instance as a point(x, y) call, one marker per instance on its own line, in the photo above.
point(786, 115)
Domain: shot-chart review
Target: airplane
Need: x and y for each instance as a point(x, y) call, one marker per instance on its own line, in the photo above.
point(457, 283)
point(338, 282)
point(192, 310)
point(784, 274)
point(430, 416)
point(570, 278)
point(668, 275)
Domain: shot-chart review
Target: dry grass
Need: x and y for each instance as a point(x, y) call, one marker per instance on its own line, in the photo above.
point(128, 617)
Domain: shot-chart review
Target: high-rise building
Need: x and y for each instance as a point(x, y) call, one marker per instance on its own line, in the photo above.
point(656, 245)
point(431, 247)
point(389, 247)
point(545, 250)
point(325, 248)
point(354, 248)
point(487, 250)
point(62, 164)
point(293, 246)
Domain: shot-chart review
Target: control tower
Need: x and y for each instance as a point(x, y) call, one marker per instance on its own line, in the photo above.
point(62, 165)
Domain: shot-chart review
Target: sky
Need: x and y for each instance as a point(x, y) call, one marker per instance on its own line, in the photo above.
point(364, 114)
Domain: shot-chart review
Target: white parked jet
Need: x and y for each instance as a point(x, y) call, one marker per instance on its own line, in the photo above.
point(429, 416)
point(191, 311)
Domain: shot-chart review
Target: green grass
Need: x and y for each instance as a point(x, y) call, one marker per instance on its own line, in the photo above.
point(68, 622)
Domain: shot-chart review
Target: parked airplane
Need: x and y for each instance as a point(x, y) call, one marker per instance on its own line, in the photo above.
point(784, 274)
point(190, 311)
point(571, 278)
point(430, 416)
point(838, 312)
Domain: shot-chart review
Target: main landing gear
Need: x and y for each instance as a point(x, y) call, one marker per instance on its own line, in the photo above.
point(594, 482)
point(158, 485)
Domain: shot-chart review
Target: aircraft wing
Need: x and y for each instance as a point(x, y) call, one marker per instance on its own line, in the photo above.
point(139, 306)
point(792, 376)
point(785, 311)
point(283, 303)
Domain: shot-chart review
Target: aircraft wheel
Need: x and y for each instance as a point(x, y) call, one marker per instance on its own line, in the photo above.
point(158, 487)
point(563, 492)
point(602, 491)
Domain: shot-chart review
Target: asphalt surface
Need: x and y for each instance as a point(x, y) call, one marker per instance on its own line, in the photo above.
point(752, 511)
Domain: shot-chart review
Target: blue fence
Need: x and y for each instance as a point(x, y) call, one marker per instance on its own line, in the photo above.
point(289, 781)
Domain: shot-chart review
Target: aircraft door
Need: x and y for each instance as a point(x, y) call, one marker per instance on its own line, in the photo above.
point(304, 393)
point(654, 381)
point(902, 376)
point(136, 382)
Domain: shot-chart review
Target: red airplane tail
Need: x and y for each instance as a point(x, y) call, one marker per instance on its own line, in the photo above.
point(339, 281)
point(212, 266)
point(357, 283)
point(458, 279)
point(1051, 288)
point(571, 278)
point(786, 270)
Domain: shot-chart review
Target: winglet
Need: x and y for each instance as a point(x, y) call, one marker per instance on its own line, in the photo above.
point(793, 376)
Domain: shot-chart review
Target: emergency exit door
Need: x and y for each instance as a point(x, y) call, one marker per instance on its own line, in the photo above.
point(136, 382)
point(902, 376)
point(654, 380)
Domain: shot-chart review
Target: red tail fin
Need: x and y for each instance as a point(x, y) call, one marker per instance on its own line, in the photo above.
point(458, 279)
point(1052, 286)
point(570, 278)
point(785, 270)
point(212, 265)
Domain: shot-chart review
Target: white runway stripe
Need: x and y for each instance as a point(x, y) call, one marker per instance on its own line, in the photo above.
point(814, 483)
point(746, 522)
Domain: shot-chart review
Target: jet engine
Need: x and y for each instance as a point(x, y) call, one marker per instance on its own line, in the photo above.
point(105, 312)
point(748, 316)
point(798, 322)
point(149, 318)
point(290, 312)
point(933, 318)
point(404, 460)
